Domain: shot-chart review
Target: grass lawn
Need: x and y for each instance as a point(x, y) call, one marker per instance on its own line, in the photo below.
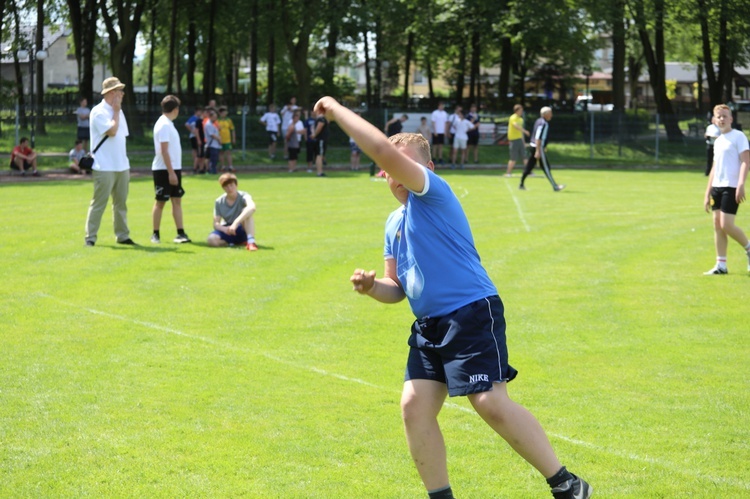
point(183, 370)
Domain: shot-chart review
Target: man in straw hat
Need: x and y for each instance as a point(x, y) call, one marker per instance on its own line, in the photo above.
point(111, 170)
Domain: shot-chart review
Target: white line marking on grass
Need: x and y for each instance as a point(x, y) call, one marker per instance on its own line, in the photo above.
point(733, 482)
point(518, 207)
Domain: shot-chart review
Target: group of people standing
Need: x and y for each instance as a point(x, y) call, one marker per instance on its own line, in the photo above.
point(459, 130)
point(212, 138)
point(293, 127)
point(233, 211)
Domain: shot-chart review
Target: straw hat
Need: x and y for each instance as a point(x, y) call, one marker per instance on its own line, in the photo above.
point(111, 83)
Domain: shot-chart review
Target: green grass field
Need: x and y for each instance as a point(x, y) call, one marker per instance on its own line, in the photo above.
point(189, 371)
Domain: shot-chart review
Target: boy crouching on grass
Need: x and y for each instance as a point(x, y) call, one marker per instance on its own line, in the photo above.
point(233, 216)
point(457, 344)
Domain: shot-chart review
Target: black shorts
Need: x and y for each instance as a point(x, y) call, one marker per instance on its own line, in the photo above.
point(438, 139)
point(272, 137)
point(163, 189)
point(473, 138)
point(724, 199)
point(465, 349)
point(293, 153)
point(320, 147)
point(26, 165)
point(84, 133)
point(194, 143)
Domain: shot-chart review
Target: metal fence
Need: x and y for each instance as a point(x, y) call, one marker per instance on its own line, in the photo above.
point(640, 130)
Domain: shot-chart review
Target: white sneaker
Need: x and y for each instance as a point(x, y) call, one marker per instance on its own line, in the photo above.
point(155, 239)
point(717, 271)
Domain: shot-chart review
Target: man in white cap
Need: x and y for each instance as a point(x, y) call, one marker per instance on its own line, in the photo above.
point(111, 170)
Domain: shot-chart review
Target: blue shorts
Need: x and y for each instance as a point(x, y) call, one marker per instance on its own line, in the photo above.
point(239, 237)
point(465, 349)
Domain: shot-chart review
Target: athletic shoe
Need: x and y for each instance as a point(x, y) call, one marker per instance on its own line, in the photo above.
point(155, 239)
point(35, 174)
point(574, 488)
point(717, 271)
point(90, 243)
point(748, 261)
point(127, 241)
point(322, 175)
point(252, 247)
point(522, 187)
point(559, 187)
point(182, 238)
point(508, 175)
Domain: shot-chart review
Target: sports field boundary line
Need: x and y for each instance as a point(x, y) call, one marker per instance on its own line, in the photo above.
point(581, 443)
point(518, 206)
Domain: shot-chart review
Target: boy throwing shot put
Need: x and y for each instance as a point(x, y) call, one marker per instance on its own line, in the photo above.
point(457, 344)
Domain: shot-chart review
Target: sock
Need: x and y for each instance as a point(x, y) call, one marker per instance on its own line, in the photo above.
point(156, 233)
point(250, 239)
point(180, 232)
point(444, 493)
point(562, 476)
point(721, 262)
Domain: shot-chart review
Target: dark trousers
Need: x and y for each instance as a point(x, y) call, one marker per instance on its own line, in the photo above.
point(544, 162)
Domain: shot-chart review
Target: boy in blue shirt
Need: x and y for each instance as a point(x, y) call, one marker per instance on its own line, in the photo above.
point(457, 344)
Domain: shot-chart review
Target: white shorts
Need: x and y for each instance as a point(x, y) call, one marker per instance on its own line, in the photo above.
point(459, 143)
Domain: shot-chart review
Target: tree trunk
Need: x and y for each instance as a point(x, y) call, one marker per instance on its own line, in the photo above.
point(271, 90)
point(39, 45)
point(506, 65)
point(368, 83)
point(618, 55)
point(476, 49)
point(209, 66)
point(428, 67)
point(24, 121)
point(407, 68)
point(461, 74)
point(655, 61)
point(254, 57)
point(152, 38)
point(172, 43)
point(191, 63)
point(298, 45)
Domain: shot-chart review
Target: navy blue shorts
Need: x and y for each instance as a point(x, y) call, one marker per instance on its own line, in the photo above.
point(239, 237)
point(724, 199)
point(465, 349)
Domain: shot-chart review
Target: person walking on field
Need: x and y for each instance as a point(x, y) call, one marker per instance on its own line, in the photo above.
point(457, 342)
point(726, 187)
point(166, 169)
point(539, 144)
point(516, 131)
point(111, 170)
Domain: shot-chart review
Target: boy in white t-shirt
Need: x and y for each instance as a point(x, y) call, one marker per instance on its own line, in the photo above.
point(726, 187)
point(271, 121)
point(167, 169)
point(460, 128)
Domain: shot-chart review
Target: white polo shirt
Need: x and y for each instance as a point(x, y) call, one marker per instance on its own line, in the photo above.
point(439, 118)
point(112, 156)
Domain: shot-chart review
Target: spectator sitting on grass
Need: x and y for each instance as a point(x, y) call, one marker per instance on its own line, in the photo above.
point(233, 216)
point(75, 156)
point(23, 158)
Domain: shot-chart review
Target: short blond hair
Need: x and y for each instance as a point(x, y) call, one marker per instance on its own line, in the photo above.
point(415, 140)
point(721, 107)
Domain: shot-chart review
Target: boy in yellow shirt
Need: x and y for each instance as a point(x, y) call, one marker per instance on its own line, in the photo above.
point(227, 137)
